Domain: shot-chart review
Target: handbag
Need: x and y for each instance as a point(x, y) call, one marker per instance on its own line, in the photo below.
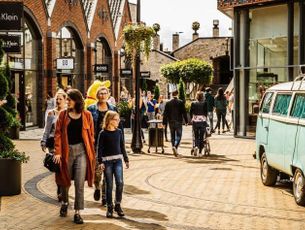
point(50, 143)
point(49, 163)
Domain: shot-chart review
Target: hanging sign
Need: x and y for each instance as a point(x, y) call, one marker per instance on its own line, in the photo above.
point(65, 63)
point(145, 74)
point(11, 16)
point(126, 72)
point(11, 43)
point(101, 68)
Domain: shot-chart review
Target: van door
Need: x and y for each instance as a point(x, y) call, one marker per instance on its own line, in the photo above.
point(298, 159)
point(292, 130)
point(262, 127)
point(277, 130)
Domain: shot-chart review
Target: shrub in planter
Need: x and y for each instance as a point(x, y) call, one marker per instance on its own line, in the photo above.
point(10, 158)
point(125, 112)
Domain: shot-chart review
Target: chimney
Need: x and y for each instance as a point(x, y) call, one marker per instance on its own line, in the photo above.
point(175, 41)
point(161, 46)
point(195, 36)
point(215, 28)
point(156, 42)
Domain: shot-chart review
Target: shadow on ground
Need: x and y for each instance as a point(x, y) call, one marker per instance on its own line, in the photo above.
point(211, 159)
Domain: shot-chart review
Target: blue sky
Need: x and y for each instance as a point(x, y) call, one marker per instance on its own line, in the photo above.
point(178, 15)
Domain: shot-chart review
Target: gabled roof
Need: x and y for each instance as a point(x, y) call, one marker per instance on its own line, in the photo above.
point(116, 10)
point(197, 39)
point(166, 55)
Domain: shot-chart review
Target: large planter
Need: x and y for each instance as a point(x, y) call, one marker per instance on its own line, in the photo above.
point(10, 177)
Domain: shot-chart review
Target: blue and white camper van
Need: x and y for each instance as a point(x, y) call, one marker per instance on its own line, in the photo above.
point(280, 135)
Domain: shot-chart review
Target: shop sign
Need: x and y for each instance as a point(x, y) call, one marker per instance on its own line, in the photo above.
point(145, 74)
point(17, 63)
point(11, 16)
point(126, 72)
point(101, 68)
point(65, 63)
point(11, 43)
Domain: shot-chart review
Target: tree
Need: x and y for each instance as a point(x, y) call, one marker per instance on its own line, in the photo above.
point(7, 115)
point(191, 70)
point(181, 90)
point(157, 92)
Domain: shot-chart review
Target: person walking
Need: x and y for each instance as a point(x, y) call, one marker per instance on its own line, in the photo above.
point(151, 104)
point(198, 113)
point(160, 109)
point(74, 151)
point(49, 104)
point(221, 104)
point(47, 140)
point(174, 113)
point(111, 151)
point(210, 106)
point(98, 112)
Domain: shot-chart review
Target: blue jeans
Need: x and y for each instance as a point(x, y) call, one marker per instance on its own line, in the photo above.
point(176, 133)
point(114, 168)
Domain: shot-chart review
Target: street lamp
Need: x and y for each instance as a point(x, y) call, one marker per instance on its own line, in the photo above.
point(136, 142)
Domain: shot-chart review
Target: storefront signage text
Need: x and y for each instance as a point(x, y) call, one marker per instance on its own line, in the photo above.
point(145, 74)
point(65, 63)
point(101, 68)
point(10, 16)
point(11, 43)
point(126, 72)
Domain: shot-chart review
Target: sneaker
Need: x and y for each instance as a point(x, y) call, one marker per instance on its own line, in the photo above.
point(195, 151)
point(119, 210)
point(63, 210)
point(109, 213)
point(78, 219)
point(175, 152)
point(223, 131)
point(97, 194)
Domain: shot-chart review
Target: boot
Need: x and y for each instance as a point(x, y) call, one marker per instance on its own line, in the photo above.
point(109, 213)
point(119, 210)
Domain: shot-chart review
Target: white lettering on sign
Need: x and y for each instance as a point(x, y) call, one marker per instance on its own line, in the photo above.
point(101, 68)
point(8, 17)
point(9, 44)
point(65, 63)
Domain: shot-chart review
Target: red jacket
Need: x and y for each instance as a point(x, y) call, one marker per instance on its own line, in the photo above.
point(62, 146)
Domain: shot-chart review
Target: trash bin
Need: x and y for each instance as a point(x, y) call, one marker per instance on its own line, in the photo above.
point(155, 135)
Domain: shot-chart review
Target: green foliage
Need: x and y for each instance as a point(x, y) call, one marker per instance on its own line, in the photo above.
point(190, 70)
point(144, 85)
point(123, 109)
point(195, 26)
point(188, 106)
point(181, 90)
point(157, 92)
point(156, 27)
point(8, 117)
point(138, 38)
point(15, 155)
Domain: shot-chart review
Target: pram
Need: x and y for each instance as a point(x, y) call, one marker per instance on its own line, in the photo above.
point(206, 144)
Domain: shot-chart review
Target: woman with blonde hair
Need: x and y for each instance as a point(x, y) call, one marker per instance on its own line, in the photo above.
point(47, 140)
point(111, 151)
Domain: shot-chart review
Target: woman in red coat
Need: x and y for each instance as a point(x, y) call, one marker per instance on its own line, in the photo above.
point(74, 150)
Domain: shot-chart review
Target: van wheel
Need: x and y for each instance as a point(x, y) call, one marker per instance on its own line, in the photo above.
point(299, 187)
point(268, 174)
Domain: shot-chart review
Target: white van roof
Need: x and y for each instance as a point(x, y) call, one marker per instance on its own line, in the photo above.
point(287, 86)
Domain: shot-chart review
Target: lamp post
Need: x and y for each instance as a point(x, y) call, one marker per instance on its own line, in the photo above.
point(136, 143)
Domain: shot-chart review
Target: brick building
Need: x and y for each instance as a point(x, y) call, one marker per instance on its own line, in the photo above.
point(63, 41)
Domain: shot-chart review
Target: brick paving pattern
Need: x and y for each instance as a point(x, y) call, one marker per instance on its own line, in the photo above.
point(222, 191)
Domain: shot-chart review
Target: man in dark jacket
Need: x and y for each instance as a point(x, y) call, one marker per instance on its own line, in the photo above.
point(210, 104)
point(98, 112)
point(174, 113)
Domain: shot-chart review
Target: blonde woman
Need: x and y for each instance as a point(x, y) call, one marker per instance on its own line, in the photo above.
point(111, 151)
point(47, 140)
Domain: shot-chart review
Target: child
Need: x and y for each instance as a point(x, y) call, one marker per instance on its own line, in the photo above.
point(111, 151)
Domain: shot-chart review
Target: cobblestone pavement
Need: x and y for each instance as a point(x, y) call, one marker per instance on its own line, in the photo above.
point(222, 191)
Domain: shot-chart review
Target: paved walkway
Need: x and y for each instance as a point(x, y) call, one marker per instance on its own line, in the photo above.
point(222, 191)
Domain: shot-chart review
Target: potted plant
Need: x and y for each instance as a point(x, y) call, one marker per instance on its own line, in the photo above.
point(195, 26)
point(138, 38)
point(125, 112)
point(10, 158)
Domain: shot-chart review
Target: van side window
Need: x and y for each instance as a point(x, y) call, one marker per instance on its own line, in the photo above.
point(265, 107)
point(298, 109)
point(281, 104)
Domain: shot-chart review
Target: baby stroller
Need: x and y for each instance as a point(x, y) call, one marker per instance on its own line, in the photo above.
point(205, 145)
